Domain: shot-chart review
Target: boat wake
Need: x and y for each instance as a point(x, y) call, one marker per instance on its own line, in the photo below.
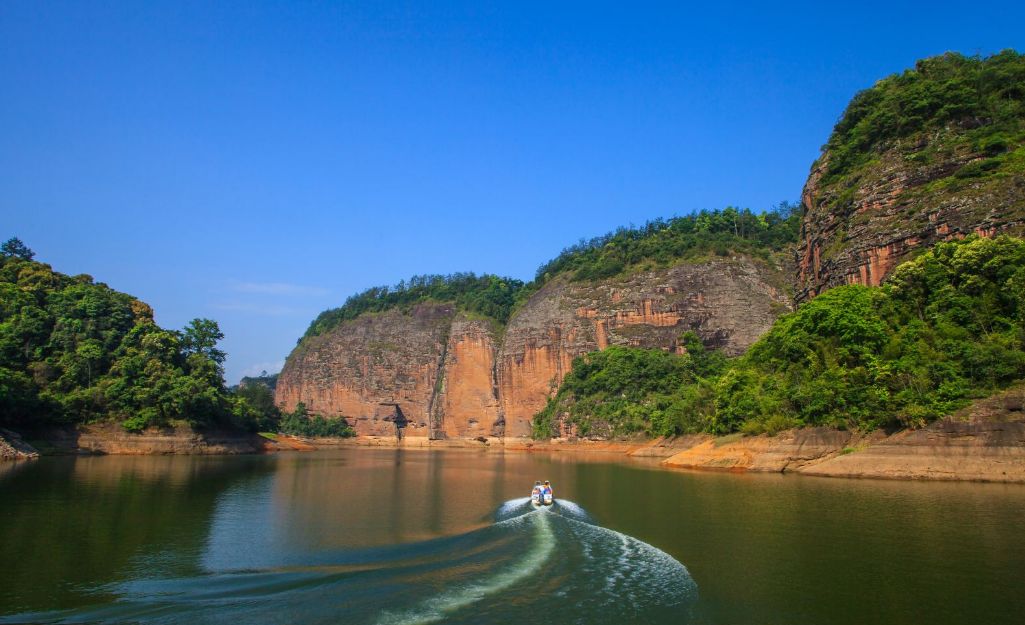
point(554, 563)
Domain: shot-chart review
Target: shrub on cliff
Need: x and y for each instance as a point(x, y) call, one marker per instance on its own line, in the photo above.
point(300, 423)
point(663, 241)
point(655, 244)
point(946, 327)
point(624, 390)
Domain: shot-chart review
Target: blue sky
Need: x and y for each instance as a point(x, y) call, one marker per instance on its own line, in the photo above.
point(257, 163)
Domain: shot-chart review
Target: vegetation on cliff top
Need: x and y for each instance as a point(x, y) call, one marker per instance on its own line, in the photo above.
point(663, 241)
point(487, 295)
point(76, 351)
point(946, 103)
point(946, 327)
point(657, 243)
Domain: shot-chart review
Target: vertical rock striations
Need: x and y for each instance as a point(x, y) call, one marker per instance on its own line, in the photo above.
point(931, 154)
point(433, 364)
point(455, 377)
point(467, 401)
point(728, 302)
point(366, 366)
point(857, 234)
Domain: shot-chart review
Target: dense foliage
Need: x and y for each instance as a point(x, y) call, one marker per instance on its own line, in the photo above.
point(624, 390)
point(662, 241)
point(983, 98)
point(301, 423)
point(75, 351)
point(488, 295)
point(946, 327)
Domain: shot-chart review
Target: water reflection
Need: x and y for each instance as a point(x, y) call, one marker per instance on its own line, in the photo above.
point(761, 548)
point(77, 524)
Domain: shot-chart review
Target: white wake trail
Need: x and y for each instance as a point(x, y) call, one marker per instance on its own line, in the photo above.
point(436, 609)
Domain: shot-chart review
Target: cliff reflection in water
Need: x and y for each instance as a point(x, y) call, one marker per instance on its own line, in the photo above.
point(384, 497)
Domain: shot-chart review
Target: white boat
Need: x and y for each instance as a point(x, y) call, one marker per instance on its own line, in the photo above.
point(538, 499)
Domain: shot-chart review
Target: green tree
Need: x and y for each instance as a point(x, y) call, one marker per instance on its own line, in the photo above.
point(201, 337)
point(14, 248)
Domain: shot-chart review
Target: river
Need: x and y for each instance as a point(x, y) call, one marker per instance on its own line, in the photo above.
point(383, 536)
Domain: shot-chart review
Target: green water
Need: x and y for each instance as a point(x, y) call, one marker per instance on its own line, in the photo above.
point(405, 536)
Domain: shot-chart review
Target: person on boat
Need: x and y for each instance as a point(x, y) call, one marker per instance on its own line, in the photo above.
point(536, 495)
point(546, 493)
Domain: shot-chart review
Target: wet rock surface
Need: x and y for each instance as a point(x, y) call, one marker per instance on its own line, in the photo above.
point(12, 447)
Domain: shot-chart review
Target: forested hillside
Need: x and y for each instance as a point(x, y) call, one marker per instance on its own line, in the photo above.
point(947, 327)
point(73, 350)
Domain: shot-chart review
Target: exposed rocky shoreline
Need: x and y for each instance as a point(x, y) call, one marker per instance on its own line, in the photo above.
point(984, 442)
point(13, 448)
point(112, 439)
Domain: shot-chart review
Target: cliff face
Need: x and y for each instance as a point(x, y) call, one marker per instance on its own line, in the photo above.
point(855, 233)
point(933, 153)
point(436, 373)
point(427, 373)
point(729, 303)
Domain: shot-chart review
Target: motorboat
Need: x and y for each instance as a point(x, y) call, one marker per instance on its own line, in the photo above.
point(541, 496)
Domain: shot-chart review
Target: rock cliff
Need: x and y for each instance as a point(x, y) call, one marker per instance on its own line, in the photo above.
point(857, 235)
point(434, 372)
point(728, 302)
point(932, 154)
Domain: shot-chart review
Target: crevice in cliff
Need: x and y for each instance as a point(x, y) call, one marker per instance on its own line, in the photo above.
point(498, 429)
point(434, 407)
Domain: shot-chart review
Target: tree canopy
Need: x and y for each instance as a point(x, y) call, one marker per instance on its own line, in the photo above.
point(76, 351)
point(487, 295)
point(982, 99)
point(655, 244)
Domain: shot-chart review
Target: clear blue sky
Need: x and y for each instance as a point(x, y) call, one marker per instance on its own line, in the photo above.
point(256, 163)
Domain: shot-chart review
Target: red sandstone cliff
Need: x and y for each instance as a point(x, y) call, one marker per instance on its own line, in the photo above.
point(855, 232)
point(728, 302)
point(428, 372)
point(434, 373)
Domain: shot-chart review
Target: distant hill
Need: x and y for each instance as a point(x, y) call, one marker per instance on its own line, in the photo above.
point(268, 380)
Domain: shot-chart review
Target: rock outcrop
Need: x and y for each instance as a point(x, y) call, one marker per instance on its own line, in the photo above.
point(12, 447)
point(857, 234)
point(983, 442)
point(927, 155)
point(728, 302)
point(427, 373)
point(432, 372)
point(380, 370)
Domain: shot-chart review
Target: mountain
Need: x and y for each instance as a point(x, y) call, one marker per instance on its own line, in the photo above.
point(466, 357)
point(931, 154)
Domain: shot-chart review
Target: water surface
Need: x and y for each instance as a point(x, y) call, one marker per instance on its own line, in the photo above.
point(413, 536)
